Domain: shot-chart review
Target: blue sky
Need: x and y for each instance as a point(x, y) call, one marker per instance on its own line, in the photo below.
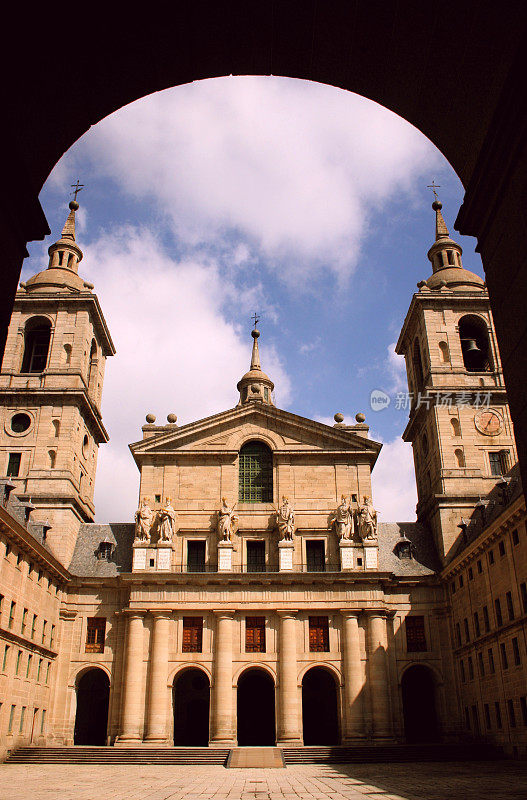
point(212, 200)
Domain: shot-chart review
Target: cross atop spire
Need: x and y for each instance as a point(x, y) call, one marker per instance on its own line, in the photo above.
point(255, 386)
point(433, 186)
point(77, 187)
point(256, 319)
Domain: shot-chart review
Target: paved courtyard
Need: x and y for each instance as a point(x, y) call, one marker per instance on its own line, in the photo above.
point(468, 781)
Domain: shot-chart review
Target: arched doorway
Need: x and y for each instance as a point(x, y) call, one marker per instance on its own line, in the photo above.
point(191, 708)
point(256, 708)
point(91, 718)
point(419, 707)
point(320, 718)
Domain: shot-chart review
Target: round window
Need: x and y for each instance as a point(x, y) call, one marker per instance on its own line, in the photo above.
point(20, 423)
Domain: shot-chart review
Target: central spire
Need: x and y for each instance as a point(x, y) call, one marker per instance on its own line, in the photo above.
point(255, 386)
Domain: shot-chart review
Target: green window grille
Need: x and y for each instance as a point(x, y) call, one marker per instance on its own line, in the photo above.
point(256, 474)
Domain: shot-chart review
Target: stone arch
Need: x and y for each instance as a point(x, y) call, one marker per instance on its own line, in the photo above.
point(474, 337)
point(181, 667)
point(320, 706)
point(255, 707)
point(272, 439)
point(92, 689)
point(256, 665)
point(456, 426)
point(37, 341)
point(444, 352)
point(460, 457)
point(329, 667)
point(419, 702)
point(191, 706)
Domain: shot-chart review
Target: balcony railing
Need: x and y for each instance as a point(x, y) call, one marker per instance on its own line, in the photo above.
point(252, 569)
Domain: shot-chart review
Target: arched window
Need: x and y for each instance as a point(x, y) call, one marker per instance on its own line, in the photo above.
point(255, 473)
point(418, 365)
point(460, 457)
point(56, 428)
point(52, 458)
point(92, 369)
point(36, 344)
point(443, 349)
point(474, 343)
point(456, 427)
point(67, 353)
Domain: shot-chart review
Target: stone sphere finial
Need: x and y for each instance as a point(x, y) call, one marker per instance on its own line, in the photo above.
point(172, 418)
point(437, 205)
point(74, 205)
point(150, 418)
point(360, 417)
point(339, 417)
point(255, 333)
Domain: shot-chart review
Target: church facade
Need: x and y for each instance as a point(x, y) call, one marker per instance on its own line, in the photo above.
point(256, 599)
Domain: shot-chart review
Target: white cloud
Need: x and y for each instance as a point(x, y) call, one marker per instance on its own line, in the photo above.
point(396, 371)
point(393, 482)
point(294, 167)
point(175, 350)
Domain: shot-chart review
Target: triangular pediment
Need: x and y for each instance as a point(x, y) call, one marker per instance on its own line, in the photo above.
point(227, 431)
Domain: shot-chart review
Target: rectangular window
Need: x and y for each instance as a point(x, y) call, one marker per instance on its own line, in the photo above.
point(470, 669)
point(52, 636)
point(470, 574)
point(255, 556)
point(44, 626)
point(39, 668)
point(491, 556)
point(486, 620)
point(4, 660)
point(480, 567)
point(28, 668)
point(481, 665)
point(475, 720)
point(462, 671)
point(11, 719)
point(492, 666)
point(523, 593)
point(13, 465)
point(95, 635)
point(453, 587)
point(467, 632)
point(318, 635)
point(498, 462)
point(504, 660)
point(315, 556)
point(255, 634)
point(415, 634)
point(461, 581)
point(1, 603)
point(510, 606)
point(24, 621)
point(476, 624)
point(458, 634)
point(516, 651)
point(515, 537)
point(11, 614)
point(42, 720)
point(499, 618)
point(48, 670)
point(34, 626)
point(501, 549)
point(196, 556)
point(497, 710)
point(487, 715)
point(18, 660)
point(192, 635)
point(22, 719)
point(512, 715)
point(523, 706)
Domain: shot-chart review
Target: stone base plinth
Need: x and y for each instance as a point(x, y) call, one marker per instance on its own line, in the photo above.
point(285, 556)
point(371, 555)
point(164, 556)
point(225, 556)
point(346, 549)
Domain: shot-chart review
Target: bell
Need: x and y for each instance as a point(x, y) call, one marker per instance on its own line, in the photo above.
point(471, 346)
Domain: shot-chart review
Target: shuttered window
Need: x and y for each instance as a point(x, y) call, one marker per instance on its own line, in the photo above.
point(255, 634)
point(319, 634)
point(192, 634)
point(415, 634)
point(95, 635)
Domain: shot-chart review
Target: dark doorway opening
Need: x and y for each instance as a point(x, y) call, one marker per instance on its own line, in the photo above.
point(91, 719)
point(419, 707)
point(191, 709)
point(320, 716)
point(255, 708)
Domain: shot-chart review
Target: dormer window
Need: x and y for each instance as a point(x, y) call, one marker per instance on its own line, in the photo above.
point(105, 550)
point(404, 548)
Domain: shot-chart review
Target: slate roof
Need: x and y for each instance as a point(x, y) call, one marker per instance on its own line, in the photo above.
point(16, 508)
point(85, 562)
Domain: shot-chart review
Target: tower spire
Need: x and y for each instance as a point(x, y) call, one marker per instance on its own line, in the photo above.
point(255, 356)
point(255, 386)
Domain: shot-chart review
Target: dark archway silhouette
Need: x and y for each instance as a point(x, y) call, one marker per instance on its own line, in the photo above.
point(91, 719)
point(320, 717)
point(191, 695)
point(256, 708)
point(419, 704)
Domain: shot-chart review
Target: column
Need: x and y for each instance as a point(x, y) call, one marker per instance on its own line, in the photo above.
point(156, 701)
point(378, 674)
point(288, 706)
point(132, 714)
point(222, 723)
point(353, 678)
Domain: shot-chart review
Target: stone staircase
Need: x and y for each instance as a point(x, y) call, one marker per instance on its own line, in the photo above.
point(119, 755)
point(364, 754)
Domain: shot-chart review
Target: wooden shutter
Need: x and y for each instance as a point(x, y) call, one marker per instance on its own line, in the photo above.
point(255, 634)
point(318, 634)
point(415, 634)
point(192, 634)
point(95, 635)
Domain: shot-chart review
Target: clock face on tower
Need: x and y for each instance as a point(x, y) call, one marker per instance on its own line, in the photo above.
point(488, 422)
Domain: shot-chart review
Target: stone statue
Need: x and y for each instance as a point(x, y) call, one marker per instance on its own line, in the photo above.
point(167, 521)
point(226, 518)
point(144, 517)
point(367, 520)
point(343, 520)
point(285, 519)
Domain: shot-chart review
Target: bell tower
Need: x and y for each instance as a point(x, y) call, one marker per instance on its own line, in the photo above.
point(50, 393)
point(459, 426)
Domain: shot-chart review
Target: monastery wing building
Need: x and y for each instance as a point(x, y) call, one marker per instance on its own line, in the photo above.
point(257, 598)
